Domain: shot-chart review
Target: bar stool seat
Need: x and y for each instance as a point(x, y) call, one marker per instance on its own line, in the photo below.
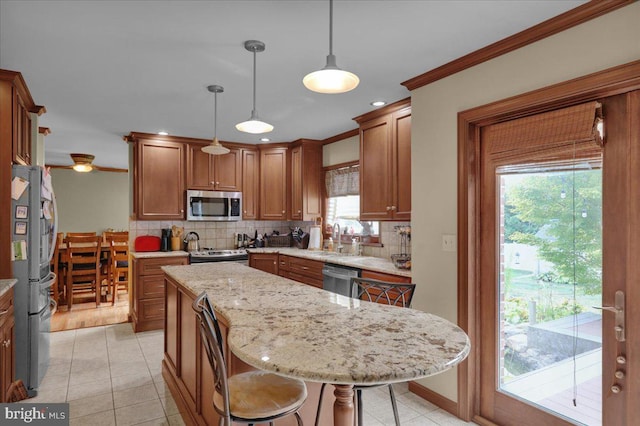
point(259, 395)
point(253, 397)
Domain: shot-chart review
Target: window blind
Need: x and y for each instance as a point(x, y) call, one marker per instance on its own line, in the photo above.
point(553, 135)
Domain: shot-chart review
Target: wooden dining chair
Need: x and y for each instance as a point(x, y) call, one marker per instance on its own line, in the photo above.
point(119, 264)
point(252, 397)
point(395, 294)
point(83, 267)
point(106, 254)
point(81, 234)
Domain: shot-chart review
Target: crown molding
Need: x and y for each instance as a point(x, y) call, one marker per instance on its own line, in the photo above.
point(552, 26)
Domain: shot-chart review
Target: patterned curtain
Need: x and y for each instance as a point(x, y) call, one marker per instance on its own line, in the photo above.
point(345, 181)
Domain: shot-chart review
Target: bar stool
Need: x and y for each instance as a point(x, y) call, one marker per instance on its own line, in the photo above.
point(395, 294)
point(251, 397)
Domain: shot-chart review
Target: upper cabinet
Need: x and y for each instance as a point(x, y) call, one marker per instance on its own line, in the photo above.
point(16, 109)
point(250, 184)
point(385, 163)
point(306, 172)
point(158, 178)
point(18, 124)
point(214, 172)
point(273, 183)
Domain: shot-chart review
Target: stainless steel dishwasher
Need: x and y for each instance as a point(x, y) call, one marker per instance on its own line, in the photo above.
point(337, 278)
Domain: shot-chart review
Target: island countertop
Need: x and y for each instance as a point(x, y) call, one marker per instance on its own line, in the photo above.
point(295, 330)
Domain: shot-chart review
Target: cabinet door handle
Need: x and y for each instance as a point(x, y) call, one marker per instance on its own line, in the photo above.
point(393, 207)
point(283, 211)
point(245, 212)
point(305, 268)
point(388, 208)
point(299, 211)
point(4, 312)
point(6, 343)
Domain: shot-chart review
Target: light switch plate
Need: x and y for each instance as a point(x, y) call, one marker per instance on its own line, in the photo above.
point(448, 242)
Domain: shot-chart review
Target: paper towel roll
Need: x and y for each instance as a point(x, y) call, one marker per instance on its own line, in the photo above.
point(315, 237)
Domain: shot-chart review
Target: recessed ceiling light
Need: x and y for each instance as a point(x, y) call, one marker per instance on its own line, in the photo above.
point(163, 133)
point(265, 140)
point(378, 103)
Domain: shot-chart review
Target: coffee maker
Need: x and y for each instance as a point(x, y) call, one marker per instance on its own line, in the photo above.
point(165, 240)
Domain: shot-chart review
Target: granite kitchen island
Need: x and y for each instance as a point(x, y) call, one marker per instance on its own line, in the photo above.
point(296, 330)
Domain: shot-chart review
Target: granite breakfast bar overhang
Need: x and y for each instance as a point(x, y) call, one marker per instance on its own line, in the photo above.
point(289, 328)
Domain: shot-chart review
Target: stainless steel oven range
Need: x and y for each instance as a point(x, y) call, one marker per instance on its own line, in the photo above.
point(212, 255)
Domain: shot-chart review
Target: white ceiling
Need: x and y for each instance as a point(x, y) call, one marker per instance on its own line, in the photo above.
point(105, 68)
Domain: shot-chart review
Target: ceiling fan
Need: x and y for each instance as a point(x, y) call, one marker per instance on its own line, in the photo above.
point(84, 163)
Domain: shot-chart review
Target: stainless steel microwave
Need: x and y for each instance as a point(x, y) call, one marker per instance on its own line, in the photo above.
point(214, 205)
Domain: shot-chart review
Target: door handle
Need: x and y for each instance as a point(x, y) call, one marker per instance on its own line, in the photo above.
point(618, 309)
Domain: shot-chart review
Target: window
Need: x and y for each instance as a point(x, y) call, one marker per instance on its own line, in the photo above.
point(343, 201)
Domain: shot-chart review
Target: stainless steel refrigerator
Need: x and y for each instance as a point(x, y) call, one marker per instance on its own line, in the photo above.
point(34, 227)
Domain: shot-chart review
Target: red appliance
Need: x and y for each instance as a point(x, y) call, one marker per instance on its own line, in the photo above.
point(147, 243)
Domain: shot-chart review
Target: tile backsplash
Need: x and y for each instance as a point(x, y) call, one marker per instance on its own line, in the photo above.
point(221, 235)
point(390, 241)
point(218, 235)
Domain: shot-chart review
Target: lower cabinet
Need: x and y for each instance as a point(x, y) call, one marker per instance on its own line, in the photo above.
point(267, 262)
point(385, 277)
point(302, 270)
point(7, 353)
point(147, 309)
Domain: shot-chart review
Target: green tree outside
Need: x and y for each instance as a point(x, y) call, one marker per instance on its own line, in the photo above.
point(539, 211)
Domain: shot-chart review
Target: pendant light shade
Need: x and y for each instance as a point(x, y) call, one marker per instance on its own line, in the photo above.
point(215, 148)
point(254, 124)
point(331, 79)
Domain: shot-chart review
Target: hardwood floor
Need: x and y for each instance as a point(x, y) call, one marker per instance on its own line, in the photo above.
point(86, 314)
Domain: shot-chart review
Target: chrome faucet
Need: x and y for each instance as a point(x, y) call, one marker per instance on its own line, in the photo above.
point(339, 247)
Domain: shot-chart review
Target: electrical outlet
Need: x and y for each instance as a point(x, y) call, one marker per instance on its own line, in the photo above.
point(448, 242)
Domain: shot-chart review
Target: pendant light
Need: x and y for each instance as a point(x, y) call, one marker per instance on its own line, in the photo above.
point(254, 124)
point(215, 148)
point(331, 79)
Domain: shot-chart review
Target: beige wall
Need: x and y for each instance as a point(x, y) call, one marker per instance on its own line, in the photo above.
point(91, 201)
point(602, 43)
point(341, 152)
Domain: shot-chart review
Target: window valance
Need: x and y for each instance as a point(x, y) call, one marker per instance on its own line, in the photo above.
point(343, 181)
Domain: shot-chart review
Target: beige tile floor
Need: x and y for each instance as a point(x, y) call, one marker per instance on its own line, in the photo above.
point(111, 376)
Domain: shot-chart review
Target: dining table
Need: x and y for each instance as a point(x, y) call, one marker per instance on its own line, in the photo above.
point(299, 331)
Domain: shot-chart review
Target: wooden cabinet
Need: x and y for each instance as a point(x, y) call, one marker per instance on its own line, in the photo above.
point(250, 184)
point(267, 262)
point(7, 338)
point(381, 276)
point(306, 271)
point(147, 310)
point(17, 129)
point(306, 173)
point(214, 172)
point(273, 183)
point(159, 180)
point(385, 163)
point(22, 131)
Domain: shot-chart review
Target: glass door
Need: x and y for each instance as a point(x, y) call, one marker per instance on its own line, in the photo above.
point(558, 250)
point(550, 264)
